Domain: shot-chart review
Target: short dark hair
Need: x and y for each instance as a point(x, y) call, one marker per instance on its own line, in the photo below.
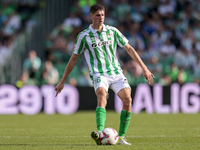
point(96, 7)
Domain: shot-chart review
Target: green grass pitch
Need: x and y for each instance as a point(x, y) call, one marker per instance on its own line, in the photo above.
point(72, 132)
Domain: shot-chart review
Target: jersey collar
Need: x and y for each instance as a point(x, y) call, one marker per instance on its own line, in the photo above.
point(94, 31)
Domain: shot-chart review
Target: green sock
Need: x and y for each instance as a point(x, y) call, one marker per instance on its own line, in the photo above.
point(100, 118)
point(125, 118)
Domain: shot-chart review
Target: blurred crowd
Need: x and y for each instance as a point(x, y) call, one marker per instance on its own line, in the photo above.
point(15, 16)
point(165, 33)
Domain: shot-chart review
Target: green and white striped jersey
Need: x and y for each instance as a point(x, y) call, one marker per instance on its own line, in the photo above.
point(100, 49)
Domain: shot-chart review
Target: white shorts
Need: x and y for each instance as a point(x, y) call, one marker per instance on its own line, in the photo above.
point(115, 82)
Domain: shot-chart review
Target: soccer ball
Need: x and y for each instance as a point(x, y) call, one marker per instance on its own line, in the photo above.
point(109, 136)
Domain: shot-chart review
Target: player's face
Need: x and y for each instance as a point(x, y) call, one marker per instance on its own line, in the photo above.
point(98, 17)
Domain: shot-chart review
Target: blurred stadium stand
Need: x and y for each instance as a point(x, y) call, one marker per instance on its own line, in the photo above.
point(165, 33)
point(38, 18)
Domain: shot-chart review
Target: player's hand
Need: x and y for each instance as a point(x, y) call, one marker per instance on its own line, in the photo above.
point(148, 76)
point(59, 88)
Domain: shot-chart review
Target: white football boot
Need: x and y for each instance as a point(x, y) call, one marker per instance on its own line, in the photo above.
point(122, 141)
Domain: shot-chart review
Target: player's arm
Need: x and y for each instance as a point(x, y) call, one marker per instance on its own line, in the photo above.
point(131, 51)
point(72, 62)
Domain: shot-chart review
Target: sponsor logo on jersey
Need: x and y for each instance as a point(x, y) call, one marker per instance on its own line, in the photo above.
point(103, 43)
point(94, 45)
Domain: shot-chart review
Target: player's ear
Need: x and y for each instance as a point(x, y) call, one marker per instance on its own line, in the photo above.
point(90, 15)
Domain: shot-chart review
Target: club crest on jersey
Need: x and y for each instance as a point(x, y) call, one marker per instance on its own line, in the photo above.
point(108, 35)
point(92, 39)
point(103, 43)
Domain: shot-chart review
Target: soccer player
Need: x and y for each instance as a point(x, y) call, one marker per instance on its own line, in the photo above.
point(99, 44)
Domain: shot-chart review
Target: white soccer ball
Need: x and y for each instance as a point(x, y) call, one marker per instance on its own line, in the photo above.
point(109, 136)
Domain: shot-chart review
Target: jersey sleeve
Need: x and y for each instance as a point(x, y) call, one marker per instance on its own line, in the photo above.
point(79, 45)
point(121, 39)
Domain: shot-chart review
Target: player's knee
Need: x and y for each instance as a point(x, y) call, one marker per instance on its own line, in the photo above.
point(101, 94)
point(127, 102)
point(101, 98)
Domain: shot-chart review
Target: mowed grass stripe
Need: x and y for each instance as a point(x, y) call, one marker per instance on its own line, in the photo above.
point(146, 131)
point(153, 136)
